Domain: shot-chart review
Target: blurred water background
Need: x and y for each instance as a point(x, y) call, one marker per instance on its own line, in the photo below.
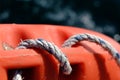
point(99, 15)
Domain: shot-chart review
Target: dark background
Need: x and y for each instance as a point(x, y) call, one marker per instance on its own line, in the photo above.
point(99, 15)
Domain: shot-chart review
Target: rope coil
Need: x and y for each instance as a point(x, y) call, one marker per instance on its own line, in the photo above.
point(79, 37)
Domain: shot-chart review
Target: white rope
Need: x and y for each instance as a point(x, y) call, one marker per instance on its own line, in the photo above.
point(51, 48)
point(79, 37)
point(18, 75)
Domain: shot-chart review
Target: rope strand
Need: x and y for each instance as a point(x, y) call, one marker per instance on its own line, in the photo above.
point(79, 37)
point(51, 48)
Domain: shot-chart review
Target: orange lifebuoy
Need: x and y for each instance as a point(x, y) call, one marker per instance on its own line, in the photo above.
point(89, 61)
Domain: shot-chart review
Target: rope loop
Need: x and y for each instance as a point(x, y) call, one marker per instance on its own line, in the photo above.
point(48, 46)
point(51, 48)
point(85, 36)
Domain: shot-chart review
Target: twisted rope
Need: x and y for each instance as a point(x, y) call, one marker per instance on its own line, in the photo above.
point(79, 37)
point(51, 48)
point(55, 51)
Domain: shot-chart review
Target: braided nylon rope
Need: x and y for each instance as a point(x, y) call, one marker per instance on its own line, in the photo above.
point(79, 37)
point(51, 48)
